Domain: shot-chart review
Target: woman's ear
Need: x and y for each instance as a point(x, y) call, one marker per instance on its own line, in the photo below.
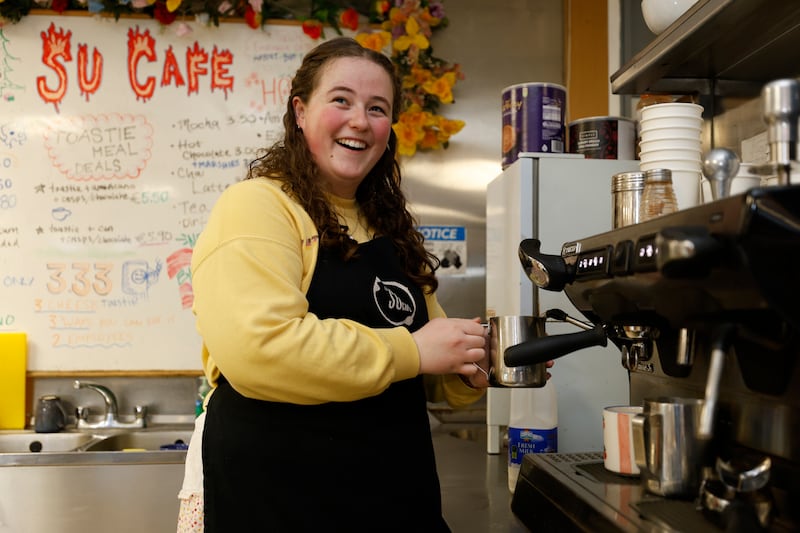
point(299, 111)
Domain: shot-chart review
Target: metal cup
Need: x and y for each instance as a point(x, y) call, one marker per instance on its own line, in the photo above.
point(507, 331)
point(666, 447)
point(50, 417)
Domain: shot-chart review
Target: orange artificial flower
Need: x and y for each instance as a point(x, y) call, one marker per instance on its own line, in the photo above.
point(382, 6)
point(376, 40)
point(396, 17)
point(441, 87)
point(415, 117)
point(349, 19)
point(430, 140)
point(252, 18)
point(426, 16)
point(312, 28)
point(407, 138)
point(418, 76)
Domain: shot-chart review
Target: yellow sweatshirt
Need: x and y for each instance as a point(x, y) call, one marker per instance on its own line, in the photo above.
point(251, 268)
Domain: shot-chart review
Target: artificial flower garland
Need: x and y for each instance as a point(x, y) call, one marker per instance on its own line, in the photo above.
point(427, 80)
point(404, 29)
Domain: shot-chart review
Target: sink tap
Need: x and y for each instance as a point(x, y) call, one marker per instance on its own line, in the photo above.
point(111, 419)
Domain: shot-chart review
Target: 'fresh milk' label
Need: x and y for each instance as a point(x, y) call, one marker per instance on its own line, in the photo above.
point(522, 441)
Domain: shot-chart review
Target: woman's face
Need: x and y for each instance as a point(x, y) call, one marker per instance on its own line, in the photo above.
point(347, 121)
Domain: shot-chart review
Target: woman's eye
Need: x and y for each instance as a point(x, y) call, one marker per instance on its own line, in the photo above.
point(340, 100)
point(378, 109)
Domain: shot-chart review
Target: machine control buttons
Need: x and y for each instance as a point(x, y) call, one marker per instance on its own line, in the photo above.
point(621, 262)
point(594, 263)
point(644, 255)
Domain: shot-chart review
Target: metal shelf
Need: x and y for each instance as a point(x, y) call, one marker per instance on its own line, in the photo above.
point(718, 47)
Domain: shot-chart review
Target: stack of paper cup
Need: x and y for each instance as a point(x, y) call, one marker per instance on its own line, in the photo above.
point(670, 138)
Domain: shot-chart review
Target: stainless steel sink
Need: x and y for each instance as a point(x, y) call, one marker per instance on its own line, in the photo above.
point(132, 491)
point(143, 440)
point(24, 441)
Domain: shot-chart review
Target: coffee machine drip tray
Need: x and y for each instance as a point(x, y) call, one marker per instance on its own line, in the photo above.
point(574, 492)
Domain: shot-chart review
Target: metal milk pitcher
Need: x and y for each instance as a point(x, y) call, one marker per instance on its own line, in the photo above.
point(666, 446)
point(508, 331)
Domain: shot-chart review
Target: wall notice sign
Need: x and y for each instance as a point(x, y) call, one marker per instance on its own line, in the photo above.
point(449, 244)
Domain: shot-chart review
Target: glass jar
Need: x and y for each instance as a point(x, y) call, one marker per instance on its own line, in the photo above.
point(658, 196)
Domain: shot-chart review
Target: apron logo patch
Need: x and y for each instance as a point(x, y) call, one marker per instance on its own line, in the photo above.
point(394, 301)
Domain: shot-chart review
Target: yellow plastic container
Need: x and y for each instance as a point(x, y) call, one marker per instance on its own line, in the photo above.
point(13, 364)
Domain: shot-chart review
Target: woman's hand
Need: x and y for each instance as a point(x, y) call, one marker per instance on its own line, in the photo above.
point(456, 346)
point(451, 346)
point(479, 377)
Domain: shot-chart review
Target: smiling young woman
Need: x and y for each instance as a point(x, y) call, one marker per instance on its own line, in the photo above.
point(315, 299)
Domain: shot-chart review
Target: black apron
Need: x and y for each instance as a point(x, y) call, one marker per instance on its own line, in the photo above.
point(356, 466)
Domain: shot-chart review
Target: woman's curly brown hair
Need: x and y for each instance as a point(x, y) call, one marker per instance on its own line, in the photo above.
point(379, 196)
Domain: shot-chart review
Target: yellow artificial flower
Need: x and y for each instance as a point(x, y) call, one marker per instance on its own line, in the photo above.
point(415, 117)
point(419, 127)
point(441, 87)
point(418, 76)
point(407, 138)
point(396, 17)
point(172, 5)
point(413, 36)
point(377, 40)
point(451, 126)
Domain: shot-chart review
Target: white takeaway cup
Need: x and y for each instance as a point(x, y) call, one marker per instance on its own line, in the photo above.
point(692, 164)
point(618, 439)
point(676, 143)
point(667, 133)
point(687, 185)
point(675, 110)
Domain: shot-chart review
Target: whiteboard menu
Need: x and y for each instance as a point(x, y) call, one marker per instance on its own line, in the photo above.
point(116, 138)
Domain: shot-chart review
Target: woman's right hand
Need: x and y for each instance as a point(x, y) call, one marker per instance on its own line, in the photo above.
point(450, 346)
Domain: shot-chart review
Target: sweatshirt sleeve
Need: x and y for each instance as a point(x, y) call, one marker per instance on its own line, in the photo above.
point(251, 268)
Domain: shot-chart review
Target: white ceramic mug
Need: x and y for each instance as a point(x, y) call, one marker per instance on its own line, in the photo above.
point(618, 439)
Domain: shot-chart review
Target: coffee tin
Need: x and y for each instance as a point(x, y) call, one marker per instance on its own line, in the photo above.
point(533, 119)
point(603, 138)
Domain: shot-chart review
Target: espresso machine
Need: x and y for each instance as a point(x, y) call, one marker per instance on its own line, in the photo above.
point(704, 307)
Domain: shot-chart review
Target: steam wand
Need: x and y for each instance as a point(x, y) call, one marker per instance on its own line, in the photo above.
point(723, 336)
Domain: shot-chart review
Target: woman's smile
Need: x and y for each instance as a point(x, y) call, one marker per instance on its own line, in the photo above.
point(347, 121)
